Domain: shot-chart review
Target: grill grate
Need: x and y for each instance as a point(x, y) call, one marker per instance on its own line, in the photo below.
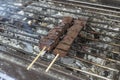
point(95, 51)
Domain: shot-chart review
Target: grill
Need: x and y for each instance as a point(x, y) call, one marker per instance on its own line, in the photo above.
point(94, 54)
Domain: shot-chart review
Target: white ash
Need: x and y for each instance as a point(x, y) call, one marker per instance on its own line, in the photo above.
point(16, 17)
point(58, 14)
point(5, 77)
point(106, 39)
point(35, 8)
point(52, 6)
point(106, 27)
point(53, 12)
point(51, 26)
point(50, 56)
point(3, 13)
point(26, 46)
point(8, 8)
point(68, 61)
point(36, 49)
point(79, 63)
point(18, 4)
point(18, 44)
point(2, 48)
point(115, 28)
point(21, 12)
point(50, 19)
point(1, 8)
point(24, 19)
point(41, 31)
point(21, 36)
point(30, 14)
point(18, 30)
point(96, 60)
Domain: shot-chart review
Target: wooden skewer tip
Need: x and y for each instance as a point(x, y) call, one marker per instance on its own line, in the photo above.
point(36, 58)
point(50, 65)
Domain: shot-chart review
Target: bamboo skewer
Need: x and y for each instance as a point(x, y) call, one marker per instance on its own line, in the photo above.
point(36, 58)
point(52, 63)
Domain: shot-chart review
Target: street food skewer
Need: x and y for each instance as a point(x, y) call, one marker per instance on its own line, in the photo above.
point(48, 42)
point(64, 45)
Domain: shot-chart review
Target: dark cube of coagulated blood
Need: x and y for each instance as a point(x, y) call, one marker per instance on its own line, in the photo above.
point(60, 52)
point(64, 45)
point(67, 40)
point(52, 39)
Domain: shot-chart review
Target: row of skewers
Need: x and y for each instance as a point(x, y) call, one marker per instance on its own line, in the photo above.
point(59, 39)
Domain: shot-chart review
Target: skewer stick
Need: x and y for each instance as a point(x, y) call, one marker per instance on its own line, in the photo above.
point(52, 63)
point(36, 58)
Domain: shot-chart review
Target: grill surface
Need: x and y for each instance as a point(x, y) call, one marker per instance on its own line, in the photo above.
point(95, 52)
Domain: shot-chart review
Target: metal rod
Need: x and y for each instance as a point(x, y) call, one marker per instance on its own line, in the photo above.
point(89, 73)
point(48, 15)
point(19, 20)
point(102, 28)
point(74, 13)
point(93, 63)
point(54, 17)
point(95, 55)
point(29, 17)
point(28, 41)
point(98, 48)
point(101, 41)
point(97, 5)
point(11, 25)
point(85, 6)
point(17, 49)
point(69, 11)
point(86, 72)
point(92, 74)
point(93, 32)
point(31, 36)
point(39, 64)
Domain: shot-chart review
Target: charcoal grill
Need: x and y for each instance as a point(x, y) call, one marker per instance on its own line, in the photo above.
point(94, 55)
